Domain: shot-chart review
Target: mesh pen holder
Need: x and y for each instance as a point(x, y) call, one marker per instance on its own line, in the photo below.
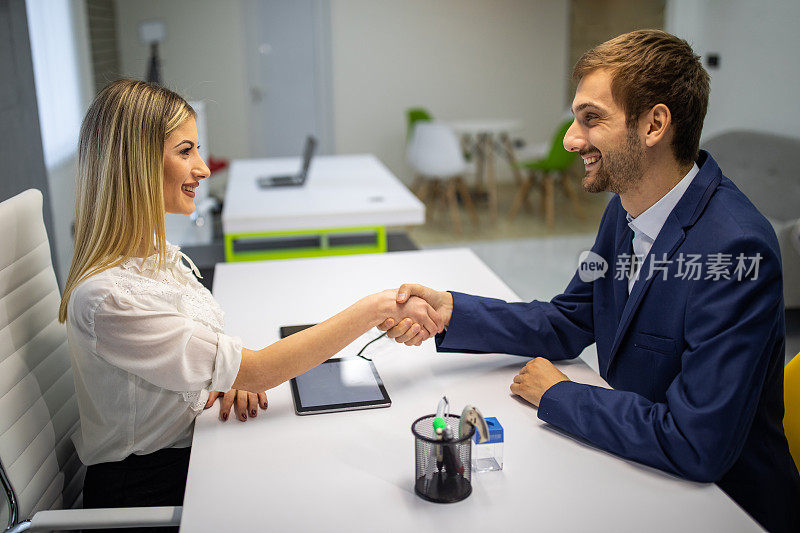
point(443, 468)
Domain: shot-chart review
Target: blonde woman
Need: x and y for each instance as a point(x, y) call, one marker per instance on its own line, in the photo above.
point(146, 338)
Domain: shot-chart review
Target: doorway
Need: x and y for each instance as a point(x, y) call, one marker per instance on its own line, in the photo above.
point(287, 53)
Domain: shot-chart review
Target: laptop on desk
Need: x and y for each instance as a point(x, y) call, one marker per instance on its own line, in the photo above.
point(295, 180)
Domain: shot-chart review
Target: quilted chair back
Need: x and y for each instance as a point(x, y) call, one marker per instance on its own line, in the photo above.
point(38, 408)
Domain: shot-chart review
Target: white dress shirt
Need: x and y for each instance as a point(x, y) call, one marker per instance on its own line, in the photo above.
point(647, 226)
point(146, 347)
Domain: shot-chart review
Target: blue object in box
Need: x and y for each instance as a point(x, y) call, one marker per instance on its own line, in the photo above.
point(495, 431)
point(488, 456)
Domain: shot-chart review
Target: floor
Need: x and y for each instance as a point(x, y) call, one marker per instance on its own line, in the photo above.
point(528, 223)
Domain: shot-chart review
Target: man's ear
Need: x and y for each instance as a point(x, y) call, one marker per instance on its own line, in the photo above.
point(656, 125)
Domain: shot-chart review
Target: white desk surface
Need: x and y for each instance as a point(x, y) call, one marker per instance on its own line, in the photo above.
point(341, 191)
point(354, 471)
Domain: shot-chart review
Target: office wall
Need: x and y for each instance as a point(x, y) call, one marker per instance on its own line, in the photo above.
point(202, 58)
point(462, 59)
point(755, 85)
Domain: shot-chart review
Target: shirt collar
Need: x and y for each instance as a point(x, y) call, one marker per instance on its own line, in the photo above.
point(172, 255)
point(652, 220)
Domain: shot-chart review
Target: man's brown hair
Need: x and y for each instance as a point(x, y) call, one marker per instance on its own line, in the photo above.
point(650, 67)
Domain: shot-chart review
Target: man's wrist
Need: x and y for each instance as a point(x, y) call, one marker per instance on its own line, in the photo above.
point(447, 308)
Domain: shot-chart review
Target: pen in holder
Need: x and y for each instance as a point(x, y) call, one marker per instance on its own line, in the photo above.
point(443, 460)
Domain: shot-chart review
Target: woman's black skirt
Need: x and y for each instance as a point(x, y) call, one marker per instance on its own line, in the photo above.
point(151, 480)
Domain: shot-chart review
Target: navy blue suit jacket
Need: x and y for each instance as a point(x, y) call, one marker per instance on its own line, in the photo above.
point(696, 364)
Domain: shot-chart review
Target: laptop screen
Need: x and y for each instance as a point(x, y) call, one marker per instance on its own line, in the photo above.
point(308, 154)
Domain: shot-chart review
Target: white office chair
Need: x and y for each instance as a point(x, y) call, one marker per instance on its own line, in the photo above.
point(39, 468)
point(435, 155)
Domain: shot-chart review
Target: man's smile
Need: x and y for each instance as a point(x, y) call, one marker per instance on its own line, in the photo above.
point(590, 161)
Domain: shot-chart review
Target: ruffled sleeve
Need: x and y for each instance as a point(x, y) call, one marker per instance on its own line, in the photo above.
point(145, 336)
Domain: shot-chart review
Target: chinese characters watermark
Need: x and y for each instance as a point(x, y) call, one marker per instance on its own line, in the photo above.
point(713, 266)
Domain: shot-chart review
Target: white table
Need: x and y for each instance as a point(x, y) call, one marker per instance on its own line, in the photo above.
point(354, 471)
point(479, 126)
point(484, 132)
point(345, 196)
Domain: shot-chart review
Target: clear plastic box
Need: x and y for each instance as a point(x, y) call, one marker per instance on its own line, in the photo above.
point(488, 456)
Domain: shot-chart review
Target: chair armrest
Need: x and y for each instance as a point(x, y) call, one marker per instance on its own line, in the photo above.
point(122, 517)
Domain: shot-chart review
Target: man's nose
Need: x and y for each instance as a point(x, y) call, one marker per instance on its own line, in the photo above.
point(572, 139)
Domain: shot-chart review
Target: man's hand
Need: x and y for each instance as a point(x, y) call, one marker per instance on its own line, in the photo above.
point(409, 332)
point(535, 378)
point(247, 403)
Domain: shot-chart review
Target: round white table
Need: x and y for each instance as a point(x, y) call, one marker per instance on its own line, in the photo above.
point(484, 132)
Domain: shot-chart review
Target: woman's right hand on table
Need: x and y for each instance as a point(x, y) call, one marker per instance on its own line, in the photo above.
point(245, 404)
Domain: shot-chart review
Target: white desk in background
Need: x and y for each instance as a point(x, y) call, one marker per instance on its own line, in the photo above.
point(354, 471)
point(343, 208)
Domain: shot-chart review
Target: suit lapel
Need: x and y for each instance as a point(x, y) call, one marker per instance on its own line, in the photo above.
point(624, 246)
point(669, 239)
point(672, 234)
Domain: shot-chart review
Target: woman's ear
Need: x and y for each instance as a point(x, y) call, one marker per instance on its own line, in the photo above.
point(658, 121)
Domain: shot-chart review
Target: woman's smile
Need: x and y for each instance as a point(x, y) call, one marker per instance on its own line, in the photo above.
point(188, 189)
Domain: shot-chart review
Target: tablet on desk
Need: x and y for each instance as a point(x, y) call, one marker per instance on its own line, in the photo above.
point(344, 384)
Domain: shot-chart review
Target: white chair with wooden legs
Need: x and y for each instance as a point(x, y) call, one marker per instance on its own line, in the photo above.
point(41, 474)
point(437, 159)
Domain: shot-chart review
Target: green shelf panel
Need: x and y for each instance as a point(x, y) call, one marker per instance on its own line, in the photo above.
point(304, 243)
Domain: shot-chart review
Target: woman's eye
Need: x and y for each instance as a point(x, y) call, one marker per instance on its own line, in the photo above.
point(186, 151)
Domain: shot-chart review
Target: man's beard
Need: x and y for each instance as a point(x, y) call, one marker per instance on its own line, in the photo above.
point(619, 170)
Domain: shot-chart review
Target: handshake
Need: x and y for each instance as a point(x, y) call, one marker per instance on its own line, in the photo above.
point(415, 313)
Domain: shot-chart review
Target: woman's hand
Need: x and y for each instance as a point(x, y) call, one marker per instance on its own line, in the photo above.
point(246, 403)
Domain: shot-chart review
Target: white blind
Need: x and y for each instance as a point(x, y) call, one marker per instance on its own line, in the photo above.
point(54, 48)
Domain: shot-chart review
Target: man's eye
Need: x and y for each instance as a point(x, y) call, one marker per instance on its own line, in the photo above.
point(589, 119)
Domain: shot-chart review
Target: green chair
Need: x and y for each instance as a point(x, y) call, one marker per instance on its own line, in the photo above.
point(544, 172)
point(414, 115)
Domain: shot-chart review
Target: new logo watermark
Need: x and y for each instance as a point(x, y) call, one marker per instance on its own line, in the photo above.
point(713, 266)
point(591, 266)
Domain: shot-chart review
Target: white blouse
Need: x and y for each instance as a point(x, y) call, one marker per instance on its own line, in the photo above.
point(146, 346)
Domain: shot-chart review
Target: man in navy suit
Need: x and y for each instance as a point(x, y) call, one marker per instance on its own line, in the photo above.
point(681, 292)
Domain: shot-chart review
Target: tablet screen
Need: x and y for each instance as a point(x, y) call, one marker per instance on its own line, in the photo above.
point(338, 381)
point(344, 384)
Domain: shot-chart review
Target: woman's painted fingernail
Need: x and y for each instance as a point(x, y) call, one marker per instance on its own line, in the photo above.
point(265, 405)
point(224, 416)
point(252, 412)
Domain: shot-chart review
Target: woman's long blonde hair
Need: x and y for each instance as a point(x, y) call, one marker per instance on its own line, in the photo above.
point(119, 198)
